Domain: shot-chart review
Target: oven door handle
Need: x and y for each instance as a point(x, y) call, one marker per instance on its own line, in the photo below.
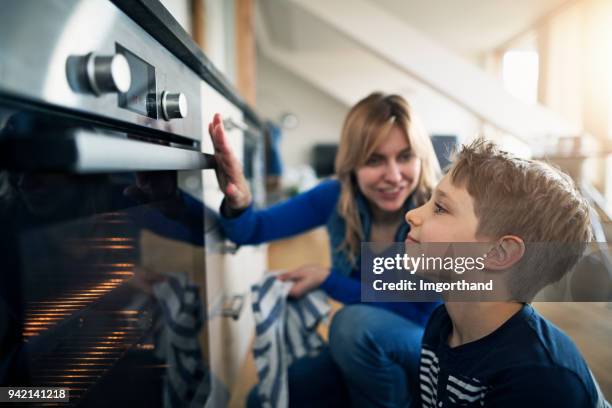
point(83, 151)
point(96, 153)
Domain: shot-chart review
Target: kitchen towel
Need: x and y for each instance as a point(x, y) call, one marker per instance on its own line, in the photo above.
point(187, 379)
point(285, 330)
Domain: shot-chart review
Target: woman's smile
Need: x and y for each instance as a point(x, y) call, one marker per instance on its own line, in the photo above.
point(391, 193)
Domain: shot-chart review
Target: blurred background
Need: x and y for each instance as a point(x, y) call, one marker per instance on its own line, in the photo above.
point(535, 76)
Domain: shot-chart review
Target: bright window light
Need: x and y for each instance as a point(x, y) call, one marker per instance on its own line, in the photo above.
point(520, 74)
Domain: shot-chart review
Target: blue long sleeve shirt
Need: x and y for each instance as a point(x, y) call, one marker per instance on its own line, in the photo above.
point(309, 210)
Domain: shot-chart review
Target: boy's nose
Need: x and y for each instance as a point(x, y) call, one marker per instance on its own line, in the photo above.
point(413, 218)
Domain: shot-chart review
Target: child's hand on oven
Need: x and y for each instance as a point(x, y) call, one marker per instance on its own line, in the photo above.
point(229, 171)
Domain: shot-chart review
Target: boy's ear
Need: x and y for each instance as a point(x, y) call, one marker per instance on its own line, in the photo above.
point(508, 251)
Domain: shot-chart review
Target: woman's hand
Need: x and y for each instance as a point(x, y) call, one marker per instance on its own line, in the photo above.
point(306, 278)
point(229, 171)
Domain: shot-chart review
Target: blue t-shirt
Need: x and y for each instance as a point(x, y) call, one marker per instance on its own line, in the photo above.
point(309, 210)
point(527, 362)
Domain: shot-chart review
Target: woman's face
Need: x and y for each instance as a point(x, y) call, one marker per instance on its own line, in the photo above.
point(390, 174)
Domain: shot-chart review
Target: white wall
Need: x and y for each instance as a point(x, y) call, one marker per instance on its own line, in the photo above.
point(320, 116)
point(219, 35)
point(180, 11)
point(219, 30)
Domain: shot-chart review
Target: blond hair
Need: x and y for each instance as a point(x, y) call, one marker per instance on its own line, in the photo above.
point(365, 128)
point(529, 199)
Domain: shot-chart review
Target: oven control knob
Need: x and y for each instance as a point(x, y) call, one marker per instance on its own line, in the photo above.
point(173, 105)
point(108, 74)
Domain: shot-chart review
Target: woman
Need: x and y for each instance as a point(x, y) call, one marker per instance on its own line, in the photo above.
point(385, 166)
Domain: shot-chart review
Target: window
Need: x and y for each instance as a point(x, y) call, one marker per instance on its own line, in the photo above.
point(520, 74)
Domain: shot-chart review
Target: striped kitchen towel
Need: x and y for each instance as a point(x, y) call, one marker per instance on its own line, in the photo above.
point(285, 330)
point(187, 379)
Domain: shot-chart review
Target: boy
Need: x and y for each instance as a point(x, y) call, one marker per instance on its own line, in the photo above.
point(503, 354)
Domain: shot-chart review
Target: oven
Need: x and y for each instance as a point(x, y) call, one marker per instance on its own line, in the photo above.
point(102, 273)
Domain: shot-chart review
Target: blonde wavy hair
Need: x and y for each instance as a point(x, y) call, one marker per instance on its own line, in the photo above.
point(365, 128)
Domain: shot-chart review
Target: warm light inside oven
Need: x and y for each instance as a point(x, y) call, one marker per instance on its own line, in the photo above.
point(90, 355)
point(44, 314)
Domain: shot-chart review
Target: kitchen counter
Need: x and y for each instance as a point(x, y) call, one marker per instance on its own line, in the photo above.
point(152, 16)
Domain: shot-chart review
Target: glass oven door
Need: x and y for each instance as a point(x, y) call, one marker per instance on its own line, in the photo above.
point(102, 282)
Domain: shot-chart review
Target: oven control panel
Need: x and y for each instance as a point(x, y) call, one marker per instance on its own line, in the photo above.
point(115, 70)
point(141, 96)
point(130, 77)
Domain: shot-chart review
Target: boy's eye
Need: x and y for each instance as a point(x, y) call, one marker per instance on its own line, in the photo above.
point(438, 209)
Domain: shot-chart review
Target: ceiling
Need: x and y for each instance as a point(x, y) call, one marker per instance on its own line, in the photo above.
point(471, 26)
point(466, 27)
point(428, 50)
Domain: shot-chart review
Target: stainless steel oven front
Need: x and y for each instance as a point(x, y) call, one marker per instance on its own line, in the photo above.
point(102, 276)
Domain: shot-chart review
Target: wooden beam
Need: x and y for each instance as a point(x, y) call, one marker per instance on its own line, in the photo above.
point(245, 49)
point(198, 18)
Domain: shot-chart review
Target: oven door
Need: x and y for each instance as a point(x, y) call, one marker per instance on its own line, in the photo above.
point(102, 284)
